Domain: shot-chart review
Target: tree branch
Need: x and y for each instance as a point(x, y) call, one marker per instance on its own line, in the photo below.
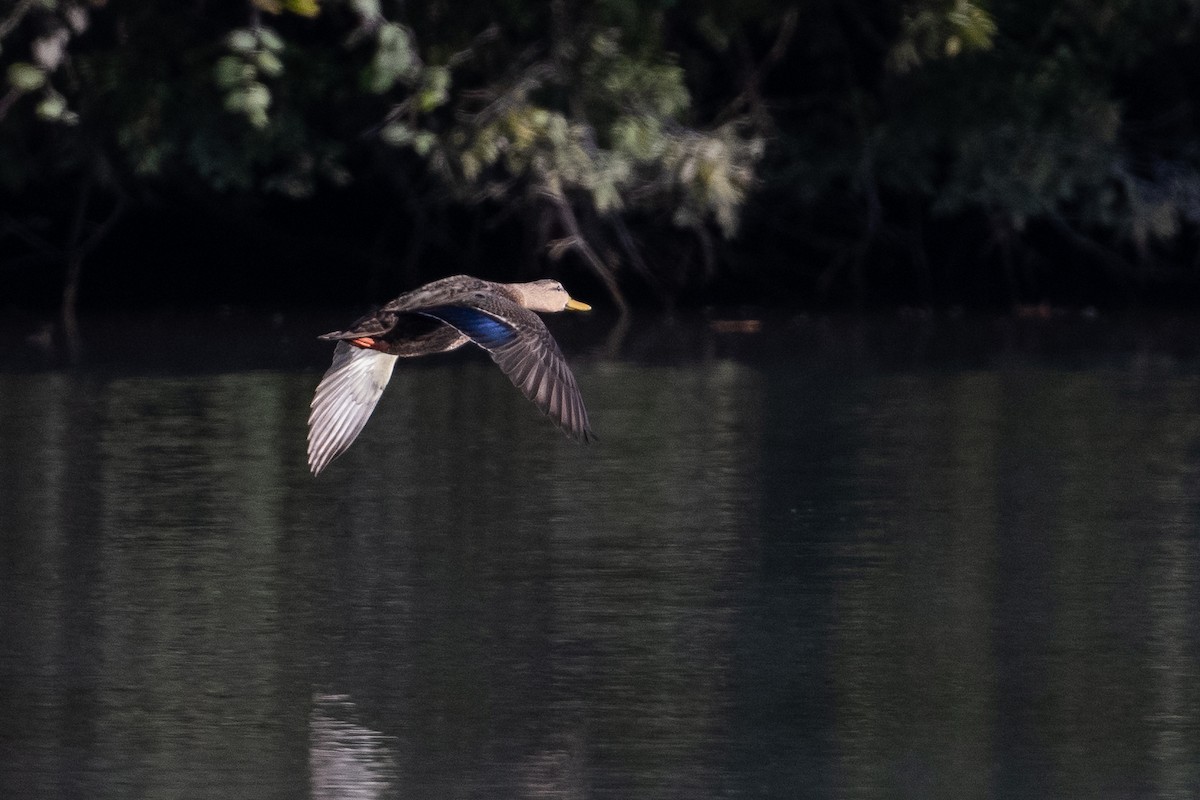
point(6, 102)
point(635, 256)
point(575, 240)
point(14, 19)
point(787, 30)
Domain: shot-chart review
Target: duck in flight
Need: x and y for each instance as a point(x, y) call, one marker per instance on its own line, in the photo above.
point(438, 317)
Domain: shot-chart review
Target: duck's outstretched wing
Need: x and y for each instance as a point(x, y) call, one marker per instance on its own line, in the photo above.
point(344, 400)
point(520, 344)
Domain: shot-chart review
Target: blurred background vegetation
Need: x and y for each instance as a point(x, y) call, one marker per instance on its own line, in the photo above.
point(926, 152)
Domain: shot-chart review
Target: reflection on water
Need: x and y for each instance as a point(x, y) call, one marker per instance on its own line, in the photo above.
point(346, 760)
point(821, 561)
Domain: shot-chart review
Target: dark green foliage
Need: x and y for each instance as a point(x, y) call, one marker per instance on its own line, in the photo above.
point(828, 147)
point(1027, 141)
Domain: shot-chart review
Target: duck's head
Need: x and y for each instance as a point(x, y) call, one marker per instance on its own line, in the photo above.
point(548, 296)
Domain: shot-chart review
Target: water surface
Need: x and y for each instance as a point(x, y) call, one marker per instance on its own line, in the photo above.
point(833, 558)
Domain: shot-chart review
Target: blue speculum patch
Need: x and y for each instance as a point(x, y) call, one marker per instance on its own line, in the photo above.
point(487, 331)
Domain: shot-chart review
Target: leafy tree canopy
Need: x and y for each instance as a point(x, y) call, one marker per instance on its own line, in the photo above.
point(833, 147)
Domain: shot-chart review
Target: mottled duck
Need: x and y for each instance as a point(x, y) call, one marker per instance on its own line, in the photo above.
point(436, 318)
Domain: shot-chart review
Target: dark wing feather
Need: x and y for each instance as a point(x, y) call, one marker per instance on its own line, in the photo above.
point(447, 291)
point(375, 324)
point(520, 344)
point(403, 334)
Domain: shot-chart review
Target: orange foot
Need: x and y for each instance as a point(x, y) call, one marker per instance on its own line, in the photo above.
point(363, 341)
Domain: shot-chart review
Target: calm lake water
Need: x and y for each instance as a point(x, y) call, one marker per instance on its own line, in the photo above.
point(843, 558)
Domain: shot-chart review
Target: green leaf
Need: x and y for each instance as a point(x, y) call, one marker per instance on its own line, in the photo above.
point(229, 71)
point(235, 101)
point(242, 41)
point(367, 9)
point(52, 107)
point(397, 134)
point(257, 117)
point(394, 59)
point(606, 197)
point(436, 90)
point(251, 100)
point(269, 64)
point(305, 8)
point(470, 166)
point(25, 77)
point(423, 143)
point(257, 97)
point(269, 39)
